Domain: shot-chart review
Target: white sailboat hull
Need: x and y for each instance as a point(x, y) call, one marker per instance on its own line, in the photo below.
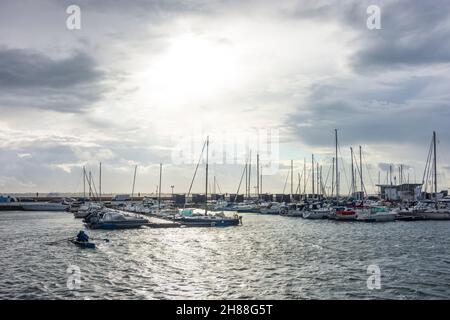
point(315, 214)
point(376, 217)
point(44, 206)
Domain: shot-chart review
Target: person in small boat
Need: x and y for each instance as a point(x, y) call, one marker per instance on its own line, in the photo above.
point(82, 236)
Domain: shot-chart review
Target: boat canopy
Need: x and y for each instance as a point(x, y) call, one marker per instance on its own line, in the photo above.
point(187, 212)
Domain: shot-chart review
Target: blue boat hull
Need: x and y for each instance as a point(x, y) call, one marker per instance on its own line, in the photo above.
point(114, 226)
point(207, 223)
point(81, 244)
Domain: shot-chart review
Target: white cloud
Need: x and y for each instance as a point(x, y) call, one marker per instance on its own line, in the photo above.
point(149, 74)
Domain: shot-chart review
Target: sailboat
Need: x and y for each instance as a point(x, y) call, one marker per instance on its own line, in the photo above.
point(194, 218)
point(428, 210)
point(100, 217)
point(317, 210)
point(345, 213)
point(368, 213)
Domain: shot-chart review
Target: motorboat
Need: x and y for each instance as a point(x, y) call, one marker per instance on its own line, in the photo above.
point(44, 206)
point(87, 209)
point(223, 205)
point(293, 210)
point(317, 211)
point(193, 218)
point(247, 207)
point(425, 210)
point(111, 219)
point(9, 203)
point(375, 214)
point(271, 208)
point(343, 214)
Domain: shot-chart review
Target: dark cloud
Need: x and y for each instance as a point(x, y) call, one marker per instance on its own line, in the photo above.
point(388, 99)
point(31, 79)
point(362, 122)
point(412, 34)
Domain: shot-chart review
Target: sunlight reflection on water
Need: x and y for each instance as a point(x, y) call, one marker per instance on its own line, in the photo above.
point(269, 257)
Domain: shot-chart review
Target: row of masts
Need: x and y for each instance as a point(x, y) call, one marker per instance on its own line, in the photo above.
point(316, 177)
point(87, 178)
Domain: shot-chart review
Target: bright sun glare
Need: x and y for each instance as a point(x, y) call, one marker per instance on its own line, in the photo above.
point(192, 69)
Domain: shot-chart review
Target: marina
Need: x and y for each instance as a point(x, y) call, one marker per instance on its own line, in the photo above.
point(224, 150)
point(268, 257)
point(123, 212)
point(300, 246)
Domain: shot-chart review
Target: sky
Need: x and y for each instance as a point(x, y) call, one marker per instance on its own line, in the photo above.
point(145, 82)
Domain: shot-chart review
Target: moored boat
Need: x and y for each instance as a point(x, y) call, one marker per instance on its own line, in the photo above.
point(344, 214)
point(111, 219)
point(271, 208)
point(83, 244)
point(375, 214)
point(44, 206)
point(293, 210)
point(192, 218)
point(317, 211)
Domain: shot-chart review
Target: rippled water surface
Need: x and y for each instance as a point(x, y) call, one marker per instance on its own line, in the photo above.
point(269, 257)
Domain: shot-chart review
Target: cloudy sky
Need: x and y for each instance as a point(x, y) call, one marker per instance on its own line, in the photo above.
point(144, 82)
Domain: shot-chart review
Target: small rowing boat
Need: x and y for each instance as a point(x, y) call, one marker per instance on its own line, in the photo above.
point(83, 244)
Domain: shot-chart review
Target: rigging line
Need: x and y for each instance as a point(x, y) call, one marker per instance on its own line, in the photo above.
point(359, 171)
point(307, 180)
point(428, 163)
point(322, 184)
point(368, 170)
point(300, 176)
point(195, 173)
point(242, 177)
point(328, 174)
point(426, 169)
point(326, 180)
point(92, 186)
point(218, 187)
point(220, 191)
point(343, 168)
point(287, 177)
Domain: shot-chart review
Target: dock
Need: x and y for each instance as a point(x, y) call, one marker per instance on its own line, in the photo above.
point(160, 223)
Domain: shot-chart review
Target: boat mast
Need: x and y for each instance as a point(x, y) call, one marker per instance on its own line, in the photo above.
point(134, 182)
point(292, 179)
point(90, 185)
point(260, 180)
point(361, 174)
point(257, 174)
point(353, 174)
point(100, 182)
point(337, 166)
point(318, 180)
point(249, 186)
point(84, 182)
point(206, 182)
point(246, 179)
point(159, 187)
point(390, 174)
point(332, 178)
point(435, 170)
point(304, 177)
point(321, 183)
point(312, 161)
